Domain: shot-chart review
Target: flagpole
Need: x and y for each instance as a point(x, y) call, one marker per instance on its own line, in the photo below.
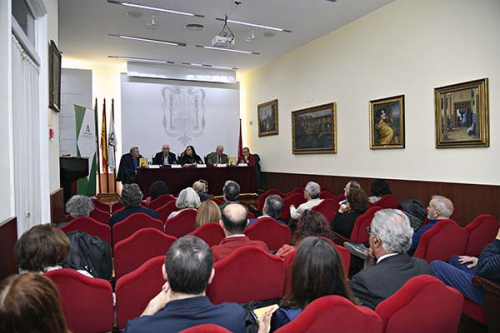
point(104, 144)
point(97, 146)
point(114, 148)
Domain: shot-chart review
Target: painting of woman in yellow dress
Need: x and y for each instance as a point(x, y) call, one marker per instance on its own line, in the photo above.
point(387, 123)
point(385, 133)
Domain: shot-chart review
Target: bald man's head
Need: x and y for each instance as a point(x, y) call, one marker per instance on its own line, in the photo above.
point(234, 219)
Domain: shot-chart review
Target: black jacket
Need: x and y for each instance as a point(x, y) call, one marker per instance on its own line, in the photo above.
point(159, 158)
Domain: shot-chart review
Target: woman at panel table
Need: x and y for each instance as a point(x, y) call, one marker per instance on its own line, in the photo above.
point(189, 157)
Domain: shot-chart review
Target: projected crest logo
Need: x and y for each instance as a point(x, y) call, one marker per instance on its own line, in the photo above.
point(183, 112)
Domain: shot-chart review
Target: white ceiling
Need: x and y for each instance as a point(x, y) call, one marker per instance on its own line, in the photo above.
point(84, 26)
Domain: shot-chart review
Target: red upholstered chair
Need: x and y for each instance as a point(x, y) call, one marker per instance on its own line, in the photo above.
point(482, 231)
point(206, 328)
point(250, 215)
point(442, 241)
point(295, 199)
point(269, 231)
point(160, 201)
point(327, 195)
point(116, 207)
point(217, 201)
point(341, 197)
point(387, 201)
point(87, 302)
point(359, 234)
point(263, 196)
point(143, 245)
point(211, 233)
point(90, 226)
point(68, 218)
point(299, 190)
point(181, 224)
point(135, 289)
point(328, 208)
point(247, 274)
point(100, 215)
point(165, 210)
point(334, 314)
point(131, 224)
point(423, 304)
point(101, 205)
point(326, 189)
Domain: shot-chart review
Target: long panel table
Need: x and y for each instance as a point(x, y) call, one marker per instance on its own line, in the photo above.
point(179, 179)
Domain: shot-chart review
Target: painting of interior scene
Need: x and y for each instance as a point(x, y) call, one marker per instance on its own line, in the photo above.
point(314, 130)
point(460, 115)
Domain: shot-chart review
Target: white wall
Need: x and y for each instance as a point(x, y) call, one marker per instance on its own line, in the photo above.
point(408, 47)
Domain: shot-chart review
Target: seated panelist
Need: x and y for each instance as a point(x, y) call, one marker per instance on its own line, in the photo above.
point(165, 157)
point(129, 164)
point(217, 157)
point(189, 157)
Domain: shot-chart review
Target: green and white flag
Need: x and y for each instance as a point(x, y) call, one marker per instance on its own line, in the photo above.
point(86, 147)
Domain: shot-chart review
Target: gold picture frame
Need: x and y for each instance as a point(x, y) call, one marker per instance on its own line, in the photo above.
point(314, 130)
point(54, 77)
point(387, 123)
point(267, 114)
point(462, 115)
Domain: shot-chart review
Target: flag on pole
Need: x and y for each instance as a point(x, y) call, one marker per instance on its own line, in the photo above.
point(240, 146)
point(112, 139)
point(104, 142)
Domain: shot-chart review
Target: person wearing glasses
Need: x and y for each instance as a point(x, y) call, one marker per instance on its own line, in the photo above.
point(390, 239)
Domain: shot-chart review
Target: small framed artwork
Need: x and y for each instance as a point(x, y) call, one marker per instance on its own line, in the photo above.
point(314, 130)
point(462, 115)
point(268, 118)
point(54, 77)
point(387, 123)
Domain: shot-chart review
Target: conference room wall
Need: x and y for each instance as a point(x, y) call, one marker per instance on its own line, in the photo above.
point(407, 47)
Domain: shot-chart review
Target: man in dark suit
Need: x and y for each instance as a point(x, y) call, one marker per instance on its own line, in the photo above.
point(390, 239)
point(128, 166)
point(272, 208)
point(217, 157)
point(165, 157)
point(182, 302)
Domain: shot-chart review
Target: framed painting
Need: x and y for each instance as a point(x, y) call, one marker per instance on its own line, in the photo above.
point(54, 77)
point(387, 123)
point(267, 113)
point(314, 130)
point(462, 115)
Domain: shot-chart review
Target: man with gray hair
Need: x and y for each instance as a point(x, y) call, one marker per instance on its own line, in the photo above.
point(390, 238)
point(217, 157)
point(311, 194)
point(131, 198)
point(272, 208)
point(129, 163)
point(439, 208)
point(79, 206)
point(231, 192)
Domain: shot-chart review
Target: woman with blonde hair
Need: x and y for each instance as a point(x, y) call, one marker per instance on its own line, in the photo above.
point(207, 212)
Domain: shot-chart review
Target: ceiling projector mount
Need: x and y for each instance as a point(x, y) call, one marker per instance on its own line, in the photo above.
point(226, 39)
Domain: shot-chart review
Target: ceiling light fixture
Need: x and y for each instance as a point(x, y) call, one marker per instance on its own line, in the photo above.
point(158, 9)
point(228, 50)
point(210, 66)
point(150, 40)
point(142, 59)
point(254, 25)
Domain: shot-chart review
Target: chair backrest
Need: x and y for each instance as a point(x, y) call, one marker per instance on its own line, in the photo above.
point(206, 328)
point(482, 231)
point(136, 289)
point(328, 208)
point(160, 201)
point(116, 206)
point(387, 201)
point(247, 274)
point(263, 197)
point(325, 189)
point(217, 201)
point(299, 190)
point(68, 218)
point(211, 233)
point(132, 223)
point(101, 205)
point(181, 224)
point(295, 199)
point(345, 255)
point(269, 231)
point(327, 195)
point(100, 215)
point(443, 240)
point(143, 245)
point(165, 210)
point(413, 308)
point(90, 226)
point(87, 302)
point(334, 314)
point(359, 234)
point(250, 215)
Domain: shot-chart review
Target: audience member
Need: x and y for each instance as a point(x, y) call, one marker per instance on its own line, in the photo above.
point(231, 192)
point(189, 157)
point(390, 238)
point(272, 208)
point(188, 199)
point(129, 163)
point(378, 189)
point(201, 188)
point(30, 303)
point(207, 212)
point(165, 157)
point(439, 208)
point(247, 157)
point(157, 189)
point(217, 157)
point(351, 185)
point(131, 198)
point(79, 206)
point(317, 271)
point(357, 202)
point(182, 302)
point(462, 269)
point(233, 222)
point(311, 194)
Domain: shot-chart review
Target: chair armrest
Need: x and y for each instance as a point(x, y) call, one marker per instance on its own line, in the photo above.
point(488, 286)
point(339, 239)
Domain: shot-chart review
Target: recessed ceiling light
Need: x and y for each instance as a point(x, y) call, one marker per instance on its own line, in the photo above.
point(209, 66)
point(227, 50)
point(150, 40)
point(254, 25)
point(142, 59)
point(158, 9)
point(195, 26)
